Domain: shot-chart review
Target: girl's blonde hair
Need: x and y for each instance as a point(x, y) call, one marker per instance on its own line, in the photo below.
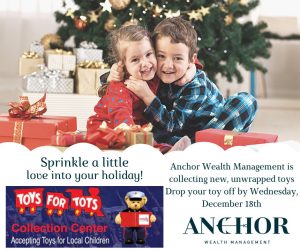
point(117, 45)
point(129, 33)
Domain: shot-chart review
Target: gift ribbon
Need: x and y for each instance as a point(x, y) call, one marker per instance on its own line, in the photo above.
point(132, 136)
point(70, 141)
point(145, 129)
point(18, 132)
point(59, 51)
point(30, 54)
point(59, 133)
point(36, 43)
point(88, 45)
point(87, 64)
point(106, 138)
point(228, 138)
point(45, 75)
point(24, 110)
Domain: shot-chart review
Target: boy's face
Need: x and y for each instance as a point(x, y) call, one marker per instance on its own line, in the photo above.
point(172, 60)
point(140, 60)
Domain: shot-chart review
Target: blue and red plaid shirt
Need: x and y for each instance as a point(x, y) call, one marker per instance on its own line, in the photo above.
point(182, 110)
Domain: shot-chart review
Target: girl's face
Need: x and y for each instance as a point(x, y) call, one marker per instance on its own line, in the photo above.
point(172, 60)
point(140, 60)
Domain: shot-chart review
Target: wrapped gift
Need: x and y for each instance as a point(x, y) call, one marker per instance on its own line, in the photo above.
point(121, 136)
point(34, 132)
point(51, 81)
point(38, 48)
point(68, 138)
point(88, 76)
point(60, 60)
point(49, 85)
point(142, 137)
point(29, 62)
point(227, 139)
point(25, 123)
point(88, 51)
point(107, 138)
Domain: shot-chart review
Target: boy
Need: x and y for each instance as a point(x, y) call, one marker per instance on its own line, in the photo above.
point(182, 110)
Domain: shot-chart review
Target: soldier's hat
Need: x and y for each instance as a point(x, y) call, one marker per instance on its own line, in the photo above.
point(135, 195)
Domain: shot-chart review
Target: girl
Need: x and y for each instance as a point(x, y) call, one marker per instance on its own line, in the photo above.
point(132, 46)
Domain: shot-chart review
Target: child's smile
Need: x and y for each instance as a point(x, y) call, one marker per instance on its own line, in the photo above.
point(172, 60)
point(140, 60)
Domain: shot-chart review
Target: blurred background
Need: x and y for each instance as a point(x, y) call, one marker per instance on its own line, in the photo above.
point(277, 90)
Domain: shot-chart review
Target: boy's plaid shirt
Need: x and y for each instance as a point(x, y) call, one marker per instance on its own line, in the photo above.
point(183, 110)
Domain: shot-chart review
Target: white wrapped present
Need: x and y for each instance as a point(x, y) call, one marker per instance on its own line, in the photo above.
point(51, 81)
point(60, 60)
point(88, 51)
point(61, 85)
point(38, 48)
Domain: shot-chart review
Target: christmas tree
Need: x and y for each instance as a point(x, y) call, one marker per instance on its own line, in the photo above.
point(224, 39)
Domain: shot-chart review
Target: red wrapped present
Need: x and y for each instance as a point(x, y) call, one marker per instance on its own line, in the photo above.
point(135, 219)
point(25, 125)
point(227, 139)
point(68, 138)
point(107, 138)
point(36, 131)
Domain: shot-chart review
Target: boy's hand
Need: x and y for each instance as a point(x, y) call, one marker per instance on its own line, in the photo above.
point(188, 76)
point(141, 89)
point(116, 72)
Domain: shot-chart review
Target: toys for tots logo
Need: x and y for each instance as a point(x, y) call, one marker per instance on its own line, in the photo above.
point(73, 199)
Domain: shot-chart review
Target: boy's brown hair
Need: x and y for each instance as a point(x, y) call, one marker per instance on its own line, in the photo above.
point(180, 31)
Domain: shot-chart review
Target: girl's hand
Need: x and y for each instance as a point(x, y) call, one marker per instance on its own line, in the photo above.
point(141, 89)
point(116, 72)
point(188, 76)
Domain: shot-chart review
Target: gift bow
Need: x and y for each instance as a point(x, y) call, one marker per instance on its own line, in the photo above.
point(105, 137)
point(134, 128)
point(24, 110)
point(228, 138)
point(88, 45)
point(59, 51)
point(87, 64)
point(30, 54)
point(36, 43)
point(44, 74)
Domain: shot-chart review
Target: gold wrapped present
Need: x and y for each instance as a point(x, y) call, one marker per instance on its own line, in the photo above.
point(29, 62)
point(137, 134)
point(133, 138)
point(88, 76)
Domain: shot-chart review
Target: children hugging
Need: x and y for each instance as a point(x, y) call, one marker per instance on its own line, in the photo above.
point(158, 79)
